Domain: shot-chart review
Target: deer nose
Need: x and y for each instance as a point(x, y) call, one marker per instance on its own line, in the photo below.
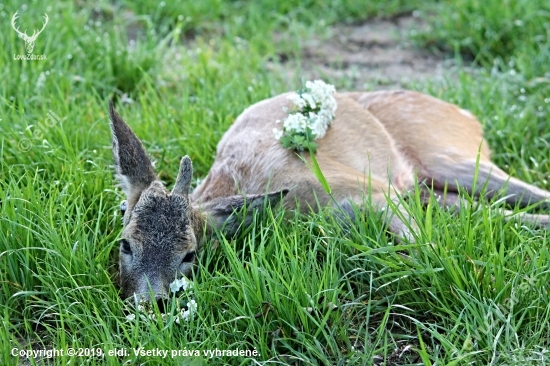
point(150, 288)
point(149, 295)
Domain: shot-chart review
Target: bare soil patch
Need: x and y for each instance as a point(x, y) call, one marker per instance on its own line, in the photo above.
point(376, 54)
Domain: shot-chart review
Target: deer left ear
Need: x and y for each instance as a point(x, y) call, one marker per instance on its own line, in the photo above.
point(133, 167)
point(223, 212)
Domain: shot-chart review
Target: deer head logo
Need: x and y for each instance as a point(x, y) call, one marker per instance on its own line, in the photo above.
point(29, 41)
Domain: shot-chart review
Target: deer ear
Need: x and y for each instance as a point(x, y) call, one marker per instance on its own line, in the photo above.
point(223, 212)
point(133, 167)
point(183, 181)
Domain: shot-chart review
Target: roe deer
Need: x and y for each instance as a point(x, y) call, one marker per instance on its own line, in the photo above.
point(378, 145)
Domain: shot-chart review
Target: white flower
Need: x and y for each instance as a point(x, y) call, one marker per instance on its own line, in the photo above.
point(296, 122)
point(320, 91)
point(297, 100)
point(278, 133)
point(326, 115)
point(318, 128)
point(331, 105)
point(146, 313)
point(314, 109)
point(192, 305)
point(309, 100)
point(185, 314)
point(182, 283)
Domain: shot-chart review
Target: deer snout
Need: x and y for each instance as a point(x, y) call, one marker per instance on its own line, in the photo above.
point(149, 296)
point(149, 289)
point(143, 303)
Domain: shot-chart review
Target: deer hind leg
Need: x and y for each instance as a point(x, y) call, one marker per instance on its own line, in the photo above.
point(454, 202)
point(401, 222)
point(491, 180)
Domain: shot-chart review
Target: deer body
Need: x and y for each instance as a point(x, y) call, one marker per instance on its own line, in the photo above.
point(379, 144)
point(379, 138)
point(251, 160)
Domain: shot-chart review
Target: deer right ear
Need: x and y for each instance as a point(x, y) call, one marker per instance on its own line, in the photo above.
point(133, 167)
point(183, 181)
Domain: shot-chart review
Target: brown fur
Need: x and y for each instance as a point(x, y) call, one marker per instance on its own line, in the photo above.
point(378, 145)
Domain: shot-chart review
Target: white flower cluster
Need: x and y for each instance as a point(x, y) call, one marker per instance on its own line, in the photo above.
point(315, 109)
point(183, 283)
point(146, 311)
point(186, 314)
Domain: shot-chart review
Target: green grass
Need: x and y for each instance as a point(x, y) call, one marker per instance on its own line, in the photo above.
point(494, 33)
point(474, 290)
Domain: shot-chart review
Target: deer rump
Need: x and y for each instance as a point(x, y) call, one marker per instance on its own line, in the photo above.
point(379, 144)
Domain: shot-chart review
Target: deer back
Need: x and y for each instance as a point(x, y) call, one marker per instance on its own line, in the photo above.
point(356, 150)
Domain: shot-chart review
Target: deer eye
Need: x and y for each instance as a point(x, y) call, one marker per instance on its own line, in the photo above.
point(125, 246)
point(189, 257)
point(123, 207)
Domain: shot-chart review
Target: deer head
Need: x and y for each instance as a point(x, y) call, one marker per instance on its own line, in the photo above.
point(29, 41)
point(163, 230)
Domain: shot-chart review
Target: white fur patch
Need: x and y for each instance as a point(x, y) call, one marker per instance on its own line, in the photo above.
point(124, 183)
point(466, 113)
